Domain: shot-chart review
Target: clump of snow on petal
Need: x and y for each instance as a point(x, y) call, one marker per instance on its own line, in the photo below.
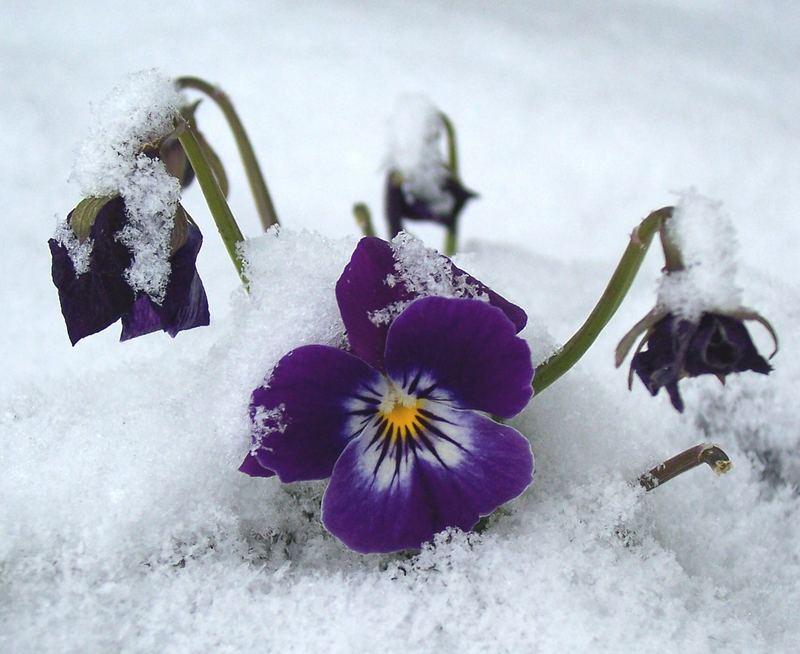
point(424, 272)
point(267, 421)
point(151, 197)
point(79, 253)
point(707, 240)
point(415, 151)
point(137, 113)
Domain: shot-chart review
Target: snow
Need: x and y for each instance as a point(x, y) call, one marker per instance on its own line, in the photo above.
point(423, 272)
point(706, 239)
point(415, 151)
point(125, 525)
point(79, 253)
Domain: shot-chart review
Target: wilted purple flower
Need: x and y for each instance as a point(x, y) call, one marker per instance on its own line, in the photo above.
point(97, 295)
point(400, 424)
point(715, 344)
point(401, 204)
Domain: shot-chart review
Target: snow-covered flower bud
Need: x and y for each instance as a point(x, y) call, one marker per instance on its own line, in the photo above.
point(421, 184)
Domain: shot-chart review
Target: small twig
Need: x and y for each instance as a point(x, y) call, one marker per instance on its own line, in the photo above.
point(706, 453)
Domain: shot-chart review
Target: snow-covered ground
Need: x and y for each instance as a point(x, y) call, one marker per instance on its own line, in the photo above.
point(124, 524)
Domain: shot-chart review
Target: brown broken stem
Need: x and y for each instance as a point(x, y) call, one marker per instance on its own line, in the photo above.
point(707, 453)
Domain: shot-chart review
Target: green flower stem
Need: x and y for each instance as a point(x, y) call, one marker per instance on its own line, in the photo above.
point(266, 210)
point(451, 237)
point(673, 259)
point(363, 219)
point(452, 145)
point(221, 212)
point(450, 241)
point(617, 288)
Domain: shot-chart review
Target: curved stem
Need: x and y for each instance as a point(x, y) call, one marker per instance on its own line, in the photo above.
point(220, 211)
point(452, 145)
point(606, 307)
point(266, 210)
point(673, 259)
point(451, 237)
point(706, 453)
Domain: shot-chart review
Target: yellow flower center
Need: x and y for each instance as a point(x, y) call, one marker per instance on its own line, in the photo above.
point(399, 414)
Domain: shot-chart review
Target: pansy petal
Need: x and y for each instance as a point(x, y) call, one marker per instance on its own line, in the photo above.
point(462, 351)
point(370, 285)
point(185, 304)
point(721, 345)
point(142, 318)
point(92, 301)
point(315, 401)
point(362, 290)
point(250, 466)
point(513, 312)
point(386, 496)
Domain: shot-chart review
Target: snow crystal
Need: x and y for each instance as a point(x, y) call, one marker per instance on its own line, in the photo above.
point(415, 150)
point(79, 253)
point(133, 115)
point(707, 240)
point(423, 272)
point(267, 421)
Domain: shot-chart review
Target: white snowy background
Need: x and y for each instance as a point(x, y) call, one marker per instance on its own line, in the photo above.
point(124, 525)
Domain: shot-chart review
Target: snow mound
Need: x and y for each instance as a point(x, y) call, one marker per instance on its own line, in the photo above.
point(127, 527)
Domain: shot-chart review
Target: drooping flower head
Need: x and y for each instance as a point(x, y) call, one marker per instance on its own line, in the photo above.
point(90, 270)
point(403, 203)
point(716, 345)
point(128, 250)
point(697, 326)
point(400, 422)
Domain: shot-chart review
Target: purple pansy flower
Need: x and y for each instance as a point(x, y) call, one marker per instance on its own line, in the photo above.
point(98, 295)
point(715, 344)
point(400, 204)
point(400, 423)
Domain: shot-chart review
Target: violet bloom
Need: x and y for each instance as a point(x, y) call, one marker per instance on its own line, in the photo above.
point(401, 205)
point(400, 424)
point(94, 297)
point(676, 348)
